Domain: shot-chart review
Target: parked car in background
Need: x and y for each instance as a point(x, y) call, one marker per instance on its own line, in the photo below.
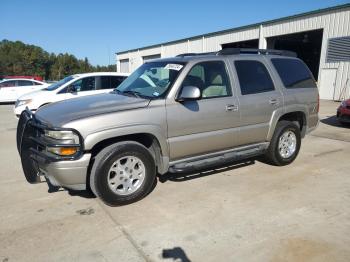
point(343, 112)
point(11, 89)
point(70, 87)
point(39, 78)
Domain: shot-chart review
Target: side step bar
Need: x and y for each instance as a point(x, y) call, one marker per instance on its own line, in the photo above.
point(217, 159)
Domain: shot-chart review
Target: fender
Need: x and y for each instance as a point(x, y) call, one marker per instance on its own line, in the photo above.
point(154, 130)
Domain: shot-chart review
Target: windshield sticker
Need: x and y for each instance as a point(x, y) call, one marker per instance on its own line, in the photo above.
point(155, 94)
point(176, 67)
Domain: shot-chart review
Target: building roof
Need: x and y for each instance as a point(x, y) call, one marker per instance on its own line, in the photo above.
point(318, 11)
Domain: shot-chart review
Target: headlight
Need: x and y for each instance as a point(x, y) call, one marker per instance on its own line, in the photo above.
point(23, 102)
point(63, 135)
point(343, 104)
point(68, 141)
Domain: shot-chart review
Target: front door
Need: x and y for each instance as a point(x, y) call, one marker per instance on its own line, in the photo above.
point(206, 125)
point(83, 87)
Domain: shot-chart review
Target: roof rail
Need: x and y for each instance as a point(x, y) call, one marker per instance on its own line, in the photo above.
point(237, 51)
point(196, 54)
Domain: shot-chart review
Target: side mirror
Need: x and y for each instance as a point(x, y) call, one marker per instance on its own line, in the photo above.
point(71, 89)
point(189, 93)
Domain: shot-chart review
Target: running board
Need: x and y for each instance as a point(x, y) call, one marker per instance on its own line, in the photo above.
point(217, 159)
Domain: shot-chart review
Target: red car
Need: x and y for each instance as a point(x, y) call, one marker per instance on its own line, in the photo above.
point(343, 112)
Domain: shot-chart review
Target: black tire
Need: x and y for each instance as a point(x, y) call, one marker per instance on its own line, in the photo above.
point(105, 159)
point(273, 155)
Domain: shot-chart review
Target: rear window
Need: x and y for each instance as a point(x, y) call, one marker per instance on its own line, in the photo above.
point(293, 73)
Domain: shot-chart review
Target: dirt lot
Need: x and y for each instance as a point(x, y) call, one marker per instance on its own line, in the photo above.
point(247, 212)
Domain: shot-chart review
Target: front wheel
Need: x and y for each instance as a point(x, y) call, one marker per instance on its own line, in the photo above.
point(123, 173)
point(285, 144)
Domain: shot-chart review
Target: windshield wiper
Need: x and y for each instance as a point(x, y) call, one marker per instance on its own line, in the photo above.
point(134, 93)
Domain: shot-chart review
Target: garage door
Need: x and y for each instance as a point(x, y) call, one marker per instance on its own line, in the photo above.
point(150, 57)
point(124, 66)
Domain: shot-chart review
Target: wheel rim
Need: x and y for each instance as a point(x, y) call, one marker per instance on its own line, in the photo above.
point(287, 144)
point(126, 175)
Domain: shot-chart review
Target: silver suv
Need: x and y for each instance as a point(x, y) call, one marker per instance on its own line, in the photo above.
point(180, 114)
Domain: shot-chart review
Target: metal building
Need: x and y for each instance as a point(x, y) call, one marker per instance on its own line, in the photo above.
point(321, 38)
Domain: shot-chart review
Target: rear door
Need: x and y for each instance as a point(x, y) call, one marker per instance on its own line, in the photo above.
point(8, 91)
point(24, 87)
point(258, 96)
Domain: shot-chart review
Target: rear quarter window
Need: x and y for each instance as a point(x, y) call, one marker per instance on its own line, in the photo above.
point(293, 73)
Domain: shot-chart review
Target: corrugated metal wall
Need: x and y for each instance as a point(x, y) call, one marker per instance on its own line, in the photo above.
point(335, 23)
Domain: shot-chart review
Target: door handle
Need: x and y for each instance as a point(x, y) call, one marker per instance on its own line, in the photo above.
point(231, 108)
point(274, 101)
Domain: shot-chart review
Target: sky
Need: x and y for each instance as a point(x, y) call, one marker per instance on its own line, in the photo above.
point(98, 29)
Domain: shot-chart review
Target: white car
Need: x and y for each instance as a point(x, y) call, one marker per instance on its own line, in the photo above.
point(11, 89)
point(70, 87)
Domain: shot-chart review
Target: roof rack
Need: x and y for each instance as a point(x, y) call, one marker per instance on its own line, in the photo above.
point(196, 54)
point(237, 51)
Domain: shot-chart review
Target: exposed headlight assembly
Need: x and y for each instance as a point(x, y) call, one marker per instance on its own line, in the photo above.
point(63, 135)
point(23, 102)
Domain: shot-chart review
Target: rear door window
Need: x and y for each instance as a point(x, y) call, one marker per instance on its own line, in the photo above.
point(117, 80)
point(293, 73)
point(253, 77)
point(24, 83)
point(109, 82)
point(8, 83)
point(104, 82)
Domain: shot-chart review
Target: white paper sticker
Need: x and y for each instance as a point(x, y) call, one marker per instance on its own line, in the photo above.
point(176, 67)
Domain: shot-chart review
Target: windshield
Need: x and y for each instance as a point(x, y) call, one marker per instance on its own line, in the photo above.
point(151, 80)
point(59, 83)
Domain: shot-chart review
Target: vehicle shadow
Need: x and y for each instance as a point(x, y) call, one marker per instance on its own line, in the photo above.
point(176, 253)
point(185, 176)
point(333, 121)
point(83, 193)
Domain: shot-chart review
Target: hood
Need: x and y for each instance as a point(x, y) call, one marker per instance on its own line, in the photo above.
point(34, 94)
point(60, 113)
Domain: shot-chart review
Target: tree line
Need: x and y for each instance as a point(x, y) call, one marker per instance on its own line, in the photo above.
point(17, 58)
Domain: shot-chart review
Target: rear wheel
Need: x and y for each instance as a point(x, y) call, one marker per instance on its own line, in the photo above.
point(123, 173)
point(285, 144)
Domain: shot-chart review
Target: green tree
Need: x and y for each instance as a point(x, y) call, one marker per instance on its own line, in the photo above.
point(17, 58)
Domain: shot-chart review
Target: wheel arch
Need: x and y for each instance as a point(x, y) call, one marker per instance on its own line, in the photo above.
point(154, 142)
point(297, 115)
